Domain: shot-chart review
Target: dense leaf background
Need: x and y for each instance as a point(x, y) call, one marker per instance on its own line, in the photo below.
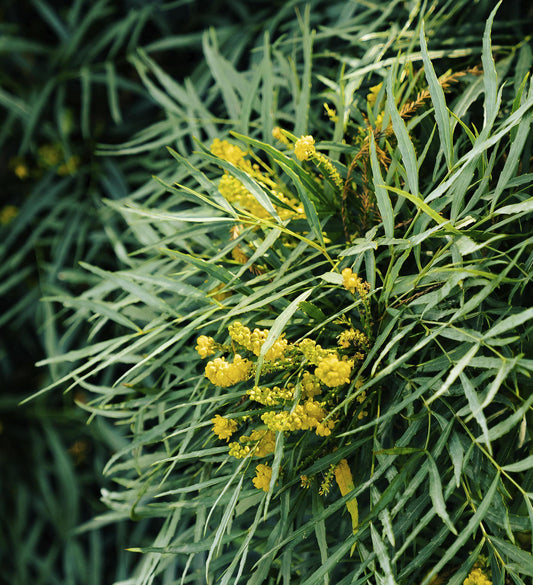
point(91, 94)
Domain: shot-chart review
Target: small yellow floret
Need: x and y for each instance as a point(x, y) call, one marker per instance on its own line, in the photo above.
point(356, 341)
point(304, 147)
point(305, 482)
point(334, 372)
point(21, 170)
point(278, 135)
point(331, 113)
point(477, 577)
point(205, 346)
point(223, 427)
point(69, 167)
point(263, 477)
point(254, 340)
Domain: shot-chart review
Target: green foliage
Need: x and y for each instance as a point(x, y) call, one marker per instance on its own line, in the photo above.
point(417, 181)
point(66, 83)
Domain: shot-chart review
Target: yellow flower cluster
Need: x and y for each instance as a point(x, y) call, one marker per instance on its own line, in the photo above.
point(263, 477)
point(51, 155)
point(260, 443)
point(333, 371)
point(310, 385)
point(270, 396)
point(235, 192)
point(353, 338)
point(291, 406)
point(224, 374)
point(477, 577)
point(224, 427)
point(304, 148)
point(205, 346)
point(230, 153)
point(253, 341)
point(309, 415)
point(325, 486)
point(239, 451)
point(311, 351)
point(354, 283)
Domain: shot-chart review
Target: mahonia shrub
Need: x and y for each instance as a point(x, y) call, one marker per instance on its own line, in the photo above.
point(328, 374)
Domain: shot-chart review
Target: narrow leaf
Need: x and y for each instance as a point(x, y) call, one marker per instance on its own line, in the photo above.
point(404, 142)
point(382, 197)
point(435, 491)
point(465, 535)
point(439, 102)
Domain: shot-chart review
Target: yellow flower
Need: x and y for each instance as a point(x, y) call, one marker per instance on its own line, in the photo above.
point(205, 346)
point(49, 155)
point(21, 170)
point(254, 340)
point(353, 283)
point(278, 135)
point(222, 373)
point(257, 340)
point(334, 372)
point(477, 577)
point(238, 451)
point(372, 96)
point(223, 427)
point(312, 352)
point(379, 121)
point(69, 167)
point(240, 334)
point(325, 486)
point(228, 152)
point(7, 214)
point(304, 147)
point(306, 416)
point(237, 194)
point(331, 113)
point(355, 340)
point(263, 477)
point(305, 482)
point(265, 442)
point(310, 385)
point(270, 396)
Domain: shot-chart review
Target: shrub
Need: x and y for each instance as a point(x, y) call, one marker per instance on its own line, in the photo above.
point(326, 335)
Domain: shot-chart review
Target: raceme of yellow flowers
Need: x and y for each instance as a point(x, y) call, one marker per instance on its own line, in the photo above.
point(237, 194)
